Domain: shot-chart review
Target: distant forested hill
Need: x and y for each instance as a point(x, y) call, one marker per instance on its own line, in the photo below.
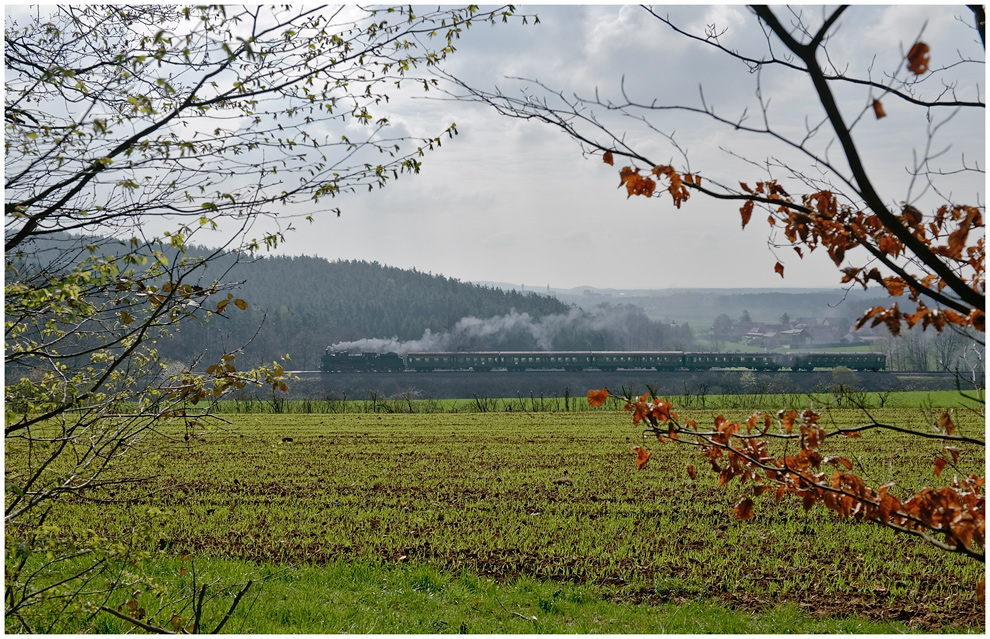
point(300, 305)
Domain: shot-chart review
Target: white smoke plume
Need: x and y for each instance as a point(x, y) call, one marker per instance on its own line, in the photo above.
point(605, 327)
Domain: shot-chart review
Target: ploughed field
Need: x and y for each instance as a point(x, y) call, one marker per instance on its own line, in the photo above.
point(552, 496)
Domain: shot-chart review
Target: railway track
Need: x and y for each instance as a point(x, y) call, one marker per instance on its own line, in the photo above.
point(544, 372)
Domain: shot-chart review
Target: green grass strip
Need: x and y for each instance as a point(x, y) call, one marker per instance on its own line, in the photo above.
point(367, 599)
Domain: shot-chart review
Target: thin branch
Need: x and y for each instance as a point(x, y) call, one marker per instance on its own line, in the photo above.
point(233, 605)
point(140, 624)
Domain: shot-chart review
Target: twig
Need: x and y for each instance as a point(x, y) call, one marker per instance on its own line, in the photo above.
point(198, 610)
point(139, 624)
point(233, 605)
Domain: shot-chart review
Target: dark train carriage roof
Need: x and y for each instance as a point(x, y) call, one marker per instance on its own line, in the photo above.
point(456, 353)
point(540, 353)
point(638, 352)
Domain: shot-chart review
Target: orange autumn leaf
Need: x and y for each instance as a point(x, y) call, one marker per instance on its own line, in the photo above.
point(978, 320)
point(894, 286)
point(751, 422)
point(635, 183)
point(952, 450)
point(939, 465)
point(835, 461)
point(640, 412)
point(779, 269)
point(911, 215)
point(913, 318)
point(918, 58)
point(642, 456)
point(945, 424)
point(607, 158)
point(597, 398)
point(691, 471)
point(661, 411)
point(746, 211)
point(878, 109)
point(744, 509)
point(787, 419)
point(677, 190)
point(889, 245)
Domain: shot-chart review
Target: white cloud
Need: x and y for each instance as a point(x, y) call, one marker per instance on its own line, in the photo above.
point(511, 200)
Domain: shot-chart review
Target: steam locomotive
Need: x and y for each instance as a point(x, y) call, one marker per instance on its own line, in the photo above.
point(344, 362)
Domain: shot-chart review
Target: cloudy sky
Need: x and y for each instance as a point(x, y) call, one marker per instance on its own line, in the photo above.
point(515, 201)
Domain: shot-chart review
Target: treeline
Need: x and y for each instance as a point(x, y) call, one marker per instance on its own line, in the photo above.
point(954, 350)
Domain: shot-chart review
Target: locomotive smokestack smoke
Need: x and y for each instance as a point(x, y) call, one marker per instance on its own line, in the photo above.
point(605, 327)
point(429, 342)
point(466, 333)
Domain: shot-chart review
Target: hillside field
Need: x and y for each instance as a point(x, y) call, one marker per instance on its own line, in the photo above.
point(548, 498)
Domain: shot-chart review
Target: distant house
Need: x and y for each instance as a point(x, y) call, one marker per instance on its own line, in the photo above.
point(756, 336)
point(793, 337)
point(822, 335)
point(865, 335)
point(769, 335)
point(805, 332)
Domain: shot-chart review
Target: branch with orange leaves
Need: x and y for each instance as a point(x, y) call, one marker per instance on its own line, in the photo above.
point(938, 255)
point(956, 512)
point(818, 220)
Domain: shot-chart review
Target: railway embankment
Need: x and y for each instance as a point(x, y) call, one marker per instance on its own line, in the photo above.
point(466, 384)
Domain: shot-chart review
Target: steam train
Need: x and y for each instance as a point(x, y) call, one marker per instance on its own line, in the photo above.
point(344, 362)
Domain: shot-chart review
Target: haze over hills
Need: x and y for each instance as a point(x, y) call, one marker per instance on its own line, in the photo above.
point(700, 306)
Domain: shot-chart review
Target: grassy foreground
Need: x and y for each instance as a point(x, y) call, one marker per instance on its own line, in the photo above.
point(377, 599)
point(406, 523)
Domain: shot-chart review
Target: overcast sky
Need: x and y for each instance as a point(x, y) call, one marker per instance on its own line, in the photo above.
point(515, 201)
